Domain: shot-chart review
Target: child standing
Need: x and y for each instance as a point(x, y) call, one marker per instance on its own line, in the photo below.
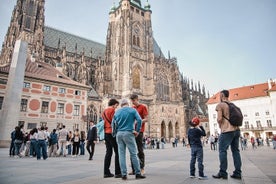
point(195, 132)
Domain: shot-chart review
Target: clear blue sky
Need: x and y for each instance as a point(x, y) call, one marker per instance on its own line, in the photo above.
point(223, 44)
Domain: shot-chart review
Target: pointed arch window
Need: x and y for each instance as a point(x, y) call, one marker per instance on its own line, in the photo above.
point(30, 8)
point(138, 41)
point(92, 113)
point(162, 87)
point(136, 78)
point(134, 40)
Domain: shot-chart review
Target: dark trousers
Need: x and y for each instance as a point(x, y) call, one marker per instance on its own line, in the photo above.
point(141, 154)
point(111, 144)
point(76, 148)
point(90, 148)
point(12, 150)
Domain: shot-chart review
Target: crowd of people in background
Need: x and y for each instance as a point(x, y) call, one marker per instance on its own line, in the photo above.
point(41, 143)
point(26, 144)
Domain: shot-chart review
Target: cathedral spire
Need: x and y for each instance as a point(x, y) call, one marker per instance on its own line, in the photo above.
point(28, 20)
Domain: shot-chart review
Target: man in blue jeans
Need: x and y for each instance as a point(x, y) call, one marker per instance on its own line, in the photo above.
point(123, 125)
point(229, 136)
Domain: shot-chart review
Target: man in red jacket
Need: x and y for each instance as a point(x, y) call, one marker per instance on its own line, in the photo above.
point(143, 112)
point(110, 141)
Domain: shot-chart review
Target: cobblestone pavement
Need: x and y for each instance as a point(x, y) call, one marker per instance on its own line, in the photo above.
point(163, 166)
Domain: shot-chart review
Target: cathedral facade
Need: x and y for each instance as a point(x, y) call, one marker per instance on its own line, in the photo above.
point(131, 62)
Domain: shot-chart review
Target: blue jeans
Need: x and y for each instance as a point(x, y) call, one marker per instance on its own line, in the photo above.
point(196, 153)
point(127, 139)
point(33, 147)
point(41, 146)
point(82, 148)
point(225, 140)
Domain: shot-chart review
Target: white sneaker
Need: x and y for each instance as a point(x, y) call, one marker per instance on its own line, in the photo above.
point(192, 176)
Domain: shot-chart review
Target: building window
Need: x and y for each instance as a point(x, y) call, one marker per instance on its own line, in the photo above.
point(23, 107)
point(269, 124)
point(246, 125)
point(26, 85)
point(60, 109)
point(257, 114)
point(44, 107)
point(61, 90)
point(31, 125)
point(136, 78)
point(46, 88)
point(138, 41)
point(259, 125)
point(76, 126)
point(76, 110)
point(28, 23)
point(245, 115)
point(77, 92)
point(267, 113)
point(1, 101)
point(92, 114)
point(43, 124)
point(3, 81)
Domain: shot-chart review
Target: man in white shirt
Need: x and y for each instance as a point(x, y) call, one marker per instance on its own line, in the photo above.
point(62, 141)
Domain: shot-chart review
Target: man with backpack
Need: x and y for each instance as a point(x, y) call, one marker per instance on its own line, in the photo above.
point(230, 135)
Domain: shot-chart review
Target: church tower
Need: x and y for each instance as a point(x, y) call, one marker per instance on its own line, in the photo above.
point(27, 23)
point(128, 66)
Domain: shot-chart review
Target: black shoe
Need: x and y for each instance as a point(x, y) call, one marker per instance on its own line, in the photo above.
point(108, 175)
point(124, 177)
point(90, 158)
point(139, 176)
point(118, 176)
point(235, 176)
point(218, 176)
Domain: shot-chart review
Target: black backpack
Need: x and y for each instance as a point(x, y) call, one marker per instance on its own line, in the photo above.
point(235, 115)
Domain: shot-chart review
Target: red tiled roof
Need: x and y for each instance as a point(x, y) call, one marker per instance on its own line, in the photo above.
point(246, 92)
point(45, 71)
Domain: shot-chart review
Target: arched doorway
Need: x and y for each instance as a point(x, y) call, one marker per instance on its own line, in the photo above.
point(170, 130)
point(163, 129)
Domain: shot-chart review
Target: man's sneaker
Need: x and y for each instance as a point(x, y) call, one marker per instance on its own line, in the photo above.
point(192, 176)
point(108, 175)
point(218, 176)
point(124, 177)
point(139, 176)
point(235, 176)
point(203, 177)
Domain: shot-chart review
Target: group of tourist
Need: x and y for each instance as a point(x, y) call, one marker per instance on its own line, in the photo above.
point(124, 128)
point(41, 143)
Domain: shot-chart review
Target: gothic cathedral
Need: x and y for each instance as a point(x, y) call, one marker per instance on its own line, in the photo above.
point(131, 62)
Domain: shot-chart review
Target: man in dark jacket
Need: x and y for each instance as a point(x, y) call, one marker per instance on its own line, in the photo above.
point(91, 139)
